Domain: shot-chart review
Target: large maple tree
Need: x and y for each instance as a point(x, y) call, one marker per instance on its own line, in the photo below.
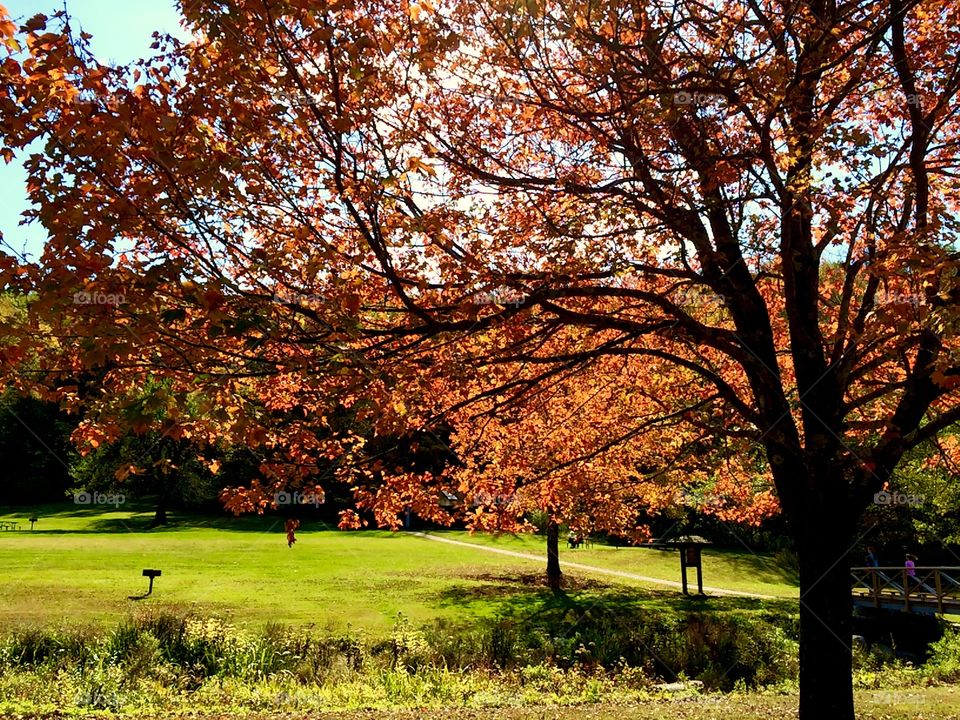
point(399, 207)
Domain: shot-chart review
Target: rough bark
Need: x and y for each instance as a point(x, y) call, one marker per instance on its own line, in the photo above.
point(826, 607)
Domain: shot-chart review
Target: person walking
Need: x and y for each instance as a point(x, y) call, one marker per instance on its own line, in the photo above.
point(290, 526)
point(911, 569)
point(871, 559)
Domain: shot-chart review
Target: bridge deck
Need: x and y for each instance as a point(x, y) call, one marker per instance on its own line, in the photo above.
point(930, 589)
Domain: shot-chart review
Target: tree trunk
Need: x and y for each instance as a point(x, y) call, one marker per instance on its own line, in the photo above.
point(553, 555)
point(826, 624)
point(160, 515)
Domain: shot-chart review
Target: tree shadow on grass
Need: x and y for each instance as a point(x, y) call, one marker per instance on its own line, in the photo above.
point(177, 522)
point(524, 596)
point(138, 517)
point(761, 569)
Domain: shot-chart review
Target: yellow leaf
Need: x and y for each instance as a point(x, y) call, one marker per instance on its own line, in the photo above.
point(416, 164)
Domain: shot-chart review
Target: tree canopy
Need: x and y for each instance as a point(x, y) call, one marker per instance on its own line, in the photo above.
point(744, 216)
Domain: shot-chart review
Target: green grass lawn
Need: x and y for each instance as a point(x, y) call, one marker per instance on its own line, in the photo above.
point(733, 570)
point(81, 564)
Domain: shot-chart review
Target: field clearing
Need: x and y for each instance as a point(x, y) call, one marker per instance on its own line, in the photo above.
point(80, 565)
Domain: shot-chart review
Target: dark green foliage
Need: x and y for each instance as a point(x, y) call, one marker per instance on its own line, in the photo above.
point(33, 647)
point(36, 450)
point(169, 471)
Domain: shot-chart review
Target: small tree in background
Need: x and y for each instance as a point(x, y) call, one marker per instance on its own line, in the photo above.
point(151, 467)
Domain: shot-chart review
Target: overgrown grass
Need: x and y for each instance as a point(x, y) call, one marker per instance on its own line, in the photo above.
point(721, 650)
point(164, 663)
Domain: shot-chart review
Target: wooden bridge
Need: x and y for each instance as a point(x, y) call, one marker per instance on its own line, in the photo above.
point(932, 589)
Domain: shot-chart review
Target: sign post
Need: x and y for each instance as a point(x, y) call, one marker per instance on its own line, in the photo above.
point(690, 547)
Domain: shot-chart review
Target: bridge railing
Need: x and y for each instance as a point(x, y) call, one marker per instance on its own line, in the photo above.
point(928, 586)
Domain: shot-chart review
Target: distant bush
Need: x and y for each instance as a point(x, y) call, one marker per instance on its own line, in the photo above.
point(787, 559)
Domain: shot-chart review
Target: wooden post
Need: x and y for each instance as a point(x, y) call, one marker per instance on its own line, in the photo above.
point(906, 590)
point(939, 588)
point(875, 582)
point(683, 568)
point(693, 559)
point(699, 571)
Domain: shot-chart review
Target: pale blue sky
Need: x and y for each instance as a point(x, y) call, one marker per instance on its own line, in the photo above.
point(121, 32)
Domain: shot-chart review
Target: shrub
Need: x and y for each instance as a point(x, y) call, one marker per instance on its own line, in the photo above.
point(134, 648)
point(723, 650)
point(944, 661)
point(30, 647)
point(502, 645)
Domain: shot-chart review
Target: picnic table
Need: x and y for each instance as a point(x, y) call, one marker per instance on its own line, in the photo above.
point(9, 525)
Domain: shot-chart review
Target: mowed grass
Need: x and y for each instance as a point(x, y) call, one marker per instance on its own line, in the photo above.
point(80, 565)
point(744, 570)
